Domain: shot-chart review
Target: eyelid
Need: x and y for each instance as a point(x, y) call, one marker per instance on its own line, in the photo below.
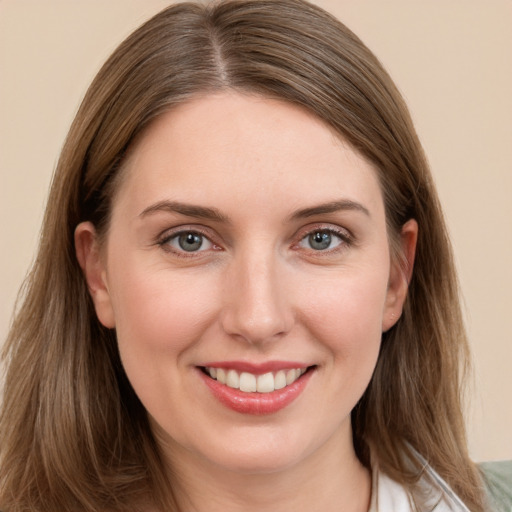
point(163, 240)
point(347, 238)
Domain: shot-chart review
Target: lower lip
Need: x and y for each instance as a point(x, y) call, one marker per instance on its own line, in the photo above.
point(256, 403)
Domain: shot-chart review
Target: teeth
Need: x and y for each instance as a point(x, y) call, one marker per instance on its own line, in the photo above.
point(291, 375)
point(280, 380)
point(247, 382)
point(250, 383)
point(232, 379)
point(265, 383)
point(221, 375)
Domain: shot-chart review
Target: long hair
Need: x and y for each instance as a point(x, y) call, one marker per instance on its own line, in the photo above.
point(74, 435)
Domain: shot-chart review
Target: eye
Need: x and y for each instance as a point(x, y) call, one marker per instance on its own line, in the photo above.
point(188, 241)
point(322, 240)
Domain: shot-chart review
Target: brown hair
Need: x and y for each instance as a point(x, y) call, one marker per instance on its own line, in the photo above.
point(74, 434)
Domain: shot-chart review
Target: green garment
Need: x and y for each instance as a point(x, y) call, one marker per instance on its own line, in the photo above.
point(498, 479)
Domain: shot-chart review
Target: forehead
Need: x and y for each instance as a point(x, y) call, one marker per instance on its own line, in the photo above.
point(234, 145)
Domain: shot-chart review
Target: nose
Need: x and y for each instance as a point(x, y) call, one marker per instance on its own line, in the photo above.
point(257, 306)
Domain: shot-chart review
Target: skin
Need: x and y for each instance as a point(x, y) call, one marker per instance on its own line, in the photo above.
point(257, 290)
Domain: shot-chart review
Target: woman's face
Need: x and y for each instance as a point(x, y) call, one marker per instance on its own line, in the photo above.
point(247, 249)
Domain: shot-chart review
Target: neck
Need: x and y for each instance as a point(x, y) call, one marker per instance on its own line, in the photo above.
point(331, 479)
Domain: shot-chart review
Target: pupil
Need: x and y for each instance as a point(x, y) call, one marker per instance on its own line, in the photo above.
point(190, 242)
point(320, 240)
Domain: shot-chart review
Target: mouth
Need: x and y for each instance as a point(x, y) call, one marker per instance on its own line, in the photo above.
point(252, 383)
point(256, 392)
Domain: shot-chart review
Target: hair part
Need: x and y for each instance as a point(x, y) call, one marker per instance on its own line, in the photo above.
point(74, 434)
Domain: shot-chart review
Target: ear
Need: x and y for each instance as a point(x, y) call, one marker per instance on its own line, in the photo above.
point(93, 266)
point(400, 275)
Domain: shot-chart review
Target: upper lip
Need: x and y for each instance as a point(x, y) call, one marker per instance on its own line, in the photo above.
point(256, 368)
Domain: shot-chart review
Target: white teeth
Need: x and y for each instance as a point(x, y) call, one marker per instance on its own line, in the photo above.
point(221, 375)
point(280, 380)
point(247, 382)
point(250, 383)
point(291, 376)
point(265, 383)
point(232, 379)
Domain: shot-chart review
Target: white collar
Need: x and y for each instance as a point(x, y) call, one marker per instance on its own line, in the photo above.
point(432, 493)
point(388, 495)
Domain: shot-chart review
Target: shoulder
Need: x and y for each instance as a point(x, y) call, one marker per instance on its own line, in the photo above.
point(498, 480)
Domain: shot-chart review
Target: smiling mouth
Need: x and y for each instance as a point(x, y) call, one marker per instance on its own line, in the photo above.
point(251, 383)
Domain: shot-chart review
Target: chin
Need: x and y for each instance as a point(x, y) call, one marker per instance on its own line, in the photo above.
point(261, 451)
point(259, 462)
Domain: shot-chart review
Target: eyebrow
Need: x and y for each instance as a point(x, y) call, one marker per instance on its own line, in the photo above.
point(189, 210)
point(331, 207)
point(203, 212)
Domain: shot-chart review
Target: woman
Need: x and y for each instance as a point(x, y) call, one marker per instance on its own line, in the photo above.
point(244, 296)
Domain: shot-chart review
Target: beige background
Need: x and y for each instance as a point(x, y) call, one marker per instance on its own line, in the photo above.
point(452, 61)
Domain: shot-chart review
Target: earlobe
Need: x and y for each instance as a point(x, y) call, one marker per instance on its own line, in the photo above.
point(89, 257)
point(400, 275)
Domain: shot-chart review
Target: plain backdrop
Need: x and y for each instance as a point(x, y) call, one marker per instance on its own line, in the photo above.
point(450, 58)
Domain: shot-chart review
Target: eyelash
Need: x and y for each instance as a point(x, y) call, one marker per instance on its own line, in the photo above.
point(164, 242)
point(345, 240)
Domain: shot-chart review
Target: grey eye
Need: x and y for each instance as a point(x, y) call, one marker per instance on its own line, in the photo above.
point(189, 241)
point(321, 240)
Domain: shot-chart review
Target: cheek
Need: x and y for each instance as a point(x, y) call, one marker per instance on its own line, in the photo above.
point(348, 307)
point(159, 315)
point(346, 318)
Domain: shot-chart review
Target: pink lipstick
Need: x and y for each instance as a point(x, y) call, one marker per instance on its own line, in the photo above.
point(256, 388)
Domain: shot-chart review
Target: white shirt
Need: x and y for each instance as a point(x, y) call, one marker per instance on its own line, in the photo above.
point(431, 494)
